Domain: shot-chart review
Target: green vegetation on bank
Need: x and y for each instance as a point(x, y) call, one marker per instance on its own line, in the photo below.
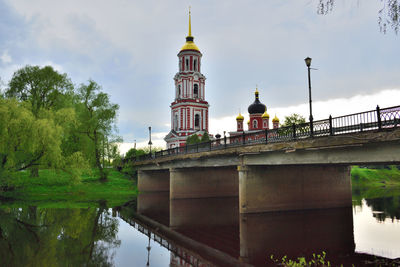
point(375, 181)
point(46, 122)
point(54, 189)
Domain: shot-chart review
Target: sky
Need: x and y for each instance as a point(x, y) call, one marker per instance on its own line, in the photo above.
point(130, 48)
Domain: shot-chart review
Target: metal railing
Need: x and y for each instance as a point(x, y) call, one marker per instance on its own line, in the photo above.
point(377, 119)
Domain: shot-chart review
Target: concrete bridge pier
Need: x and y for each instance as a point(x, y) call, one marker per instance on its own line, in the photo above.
point(203, 182)
point(153, 181)
point(293, 187)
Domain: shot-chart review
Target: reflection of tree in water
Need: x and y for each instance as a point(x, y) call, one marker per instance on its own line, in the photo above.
point(57, 237)
point(389, 206)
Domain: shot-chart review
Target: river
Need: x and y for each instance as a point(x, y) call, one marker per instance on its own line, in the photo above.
point(153, 231)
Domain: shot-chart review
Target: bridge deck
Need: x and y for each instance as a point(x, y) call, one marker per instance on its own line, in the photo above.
point(373, 147)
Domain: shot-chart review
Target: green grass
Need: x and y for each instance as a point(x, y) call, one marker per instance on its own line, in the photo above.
point(374, 183)
point(54, 189)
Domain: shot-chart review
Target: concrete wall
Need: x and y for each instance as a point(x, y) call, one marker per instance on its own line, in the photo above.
point(203, 182)
point(278, 188)
point(153, 181)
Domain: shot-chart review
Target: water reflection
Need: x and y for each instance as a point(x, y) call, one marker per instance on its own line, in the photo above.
point(385, 207)
point(296, 234)
point(104, 237)
point(375, 234)
point(154, 205)
point(52, 237)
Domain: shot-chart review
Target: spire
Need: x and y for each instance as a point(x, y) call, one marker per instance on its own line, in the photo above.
point(190, 25)
point(190, 45)
point(256, 92)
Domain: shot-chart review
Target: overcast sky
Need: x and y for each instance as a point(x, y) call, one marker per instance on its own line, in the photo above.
point(130, 48)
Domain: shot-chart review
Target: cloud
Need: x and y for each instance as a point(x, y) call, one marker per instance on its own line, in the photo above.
point(321, 109)
point(130, 47)
point(5, 57)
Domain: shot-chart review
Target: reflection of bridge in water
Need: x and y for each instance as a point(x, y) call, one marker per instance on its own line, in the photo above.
point(193, 229)
point(179, 255)
point(184, 251)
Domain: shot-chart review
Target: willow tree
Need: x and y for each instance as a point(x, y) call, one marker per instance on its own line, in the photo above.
point(97, 116)
point(27, 141)
point(44, 89)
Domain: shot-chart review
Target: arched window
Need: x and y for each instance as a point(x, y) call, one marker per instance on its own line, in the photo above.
point(197, 122)
point(196, 91)
point(187, 64)
point(255, 124)
point(195, 65)
point(179, 91)
point(176, 122)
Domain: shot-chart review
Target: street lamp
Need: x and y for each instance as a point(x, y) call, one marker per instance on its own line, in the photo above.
point(150, 143)
point(308, 64)
point(148, 250)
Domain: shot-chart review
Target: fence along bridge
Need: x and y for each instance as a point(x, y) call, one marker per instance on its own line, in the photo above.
point(290, 168)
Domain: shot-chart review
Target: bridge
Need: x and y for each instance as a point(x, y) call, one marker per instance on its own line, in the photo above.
point(292, 168)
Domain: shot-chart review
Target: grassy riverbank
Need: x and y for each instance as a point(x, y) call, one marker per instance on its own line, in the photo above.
point(374, 183)
point(54, 189)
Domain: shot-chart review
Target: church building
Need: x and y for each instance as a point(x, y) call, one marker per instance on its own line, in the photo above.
point(259, 120)
point(189, 110)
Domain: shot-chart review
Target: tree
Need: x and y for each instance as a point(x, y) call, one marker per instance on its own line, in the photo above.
point(388, 15)
point(41, 87)
point(97, 116)
point(193, 139)
point(27, 141)
point(44, 88)
point(205, 137)
point(293, 119)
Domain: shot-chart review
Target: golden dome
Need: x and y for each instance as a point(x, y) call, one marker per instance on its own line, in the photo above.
point(190, 45)
point(248, 122)
point(265, 115)
point(275, 119)
point(240, 117)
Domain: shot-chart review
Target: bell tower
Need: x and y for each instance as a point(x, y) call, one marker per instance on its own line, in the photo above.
point(189, 110)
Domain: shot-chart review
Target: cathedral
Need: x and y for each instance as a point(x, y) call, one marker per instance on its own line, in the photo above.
point(189, 110)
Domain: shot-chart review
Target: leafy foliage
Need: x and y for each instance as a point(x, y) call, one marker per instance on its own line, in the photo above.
point(205, 137)
point(41, 87)
point(97, 116)
point(316, 260)
point(293, 119)
point(44, 123)
point(195, 139)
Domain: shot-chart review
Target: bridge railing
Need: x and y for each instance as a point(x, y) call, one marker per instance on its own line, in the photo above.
point(371, 120)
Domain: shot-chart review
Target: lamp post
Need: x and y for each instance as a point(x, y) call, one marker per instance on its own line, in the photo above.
point(308, 64)
point(148, 250)
point(150, 143)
